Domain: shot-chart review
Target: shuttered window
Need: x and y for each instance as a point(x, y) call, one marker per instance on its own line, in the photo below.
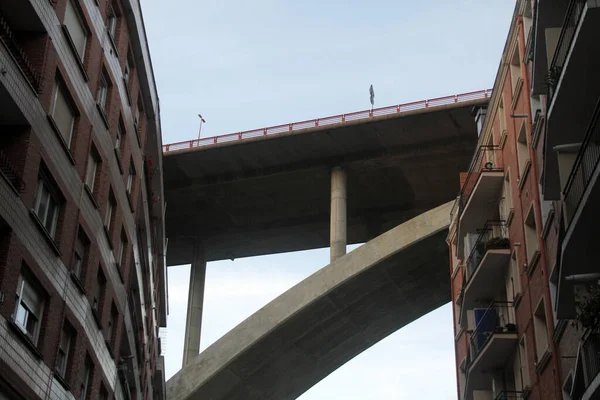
point(62, 113)
point(76, 29)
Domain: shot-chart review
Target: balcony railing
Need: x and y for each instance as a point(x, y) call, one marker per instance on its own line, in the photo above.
point(11, 174)
point(494, 235)
point(497, 318)
point(7, 36)
point(591, 358)
point(583, 167)
point(509, 395)
point(487, 159)
point(574, 12)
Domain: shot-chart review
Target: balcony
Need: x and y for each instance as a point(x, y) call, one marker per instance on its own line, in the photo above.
point(480, 192)
point(572, 87)
point(510, 395)
point(23, 35)
point(581, 195)
point(492, 343)
point(586, 380)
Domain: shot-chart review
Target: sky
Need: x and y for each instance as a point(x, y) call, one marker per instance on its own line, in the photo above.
point(250, 64)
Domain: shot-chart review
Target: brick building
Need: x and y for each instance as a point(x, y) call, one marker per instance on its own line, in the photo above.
point(82, 273)
point(503, 308)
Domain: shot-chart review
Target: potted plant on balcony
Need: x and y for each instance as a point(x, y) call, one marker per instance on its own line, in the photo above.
point(497, 243)
point(587, 306)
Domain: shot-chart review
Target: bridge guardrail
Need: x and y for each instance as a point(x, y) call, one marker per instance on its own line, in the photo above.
point(335, 119)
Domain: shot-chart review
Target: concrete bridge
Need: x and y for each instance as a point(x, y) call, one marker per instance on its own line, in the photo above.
point(318, 183)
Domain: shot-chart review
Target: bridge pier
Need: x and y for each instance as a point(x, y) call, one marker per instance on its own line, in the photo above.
point(338, 226)
point(193, 321)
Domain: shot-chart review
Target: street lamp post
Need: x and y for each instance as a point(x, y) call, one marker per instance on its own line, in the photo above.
point(200, 128)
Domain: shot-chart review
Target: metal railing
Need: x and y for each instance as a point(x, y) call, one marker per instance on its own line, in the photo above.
point(487, 159)
point(335, 119)
point(7, 37)
point(574, 12)
point(494, 235)
point(583, 167)
point(497, 318)
point(10, 172)
point(591, 358)
point(509, 395)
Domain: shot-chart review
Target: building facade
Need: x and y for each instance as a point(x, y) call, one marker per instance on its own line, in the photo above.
point(82, 269)
point(567, 94)
point(503, 309)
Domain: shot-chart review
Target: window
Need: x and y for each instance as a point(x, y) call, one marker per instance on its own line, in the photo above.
point(513, 288)
point(103, 90)
point(541, 330)
point(110, 207)
point(112, 321)
point(136, 119)
point(29, 307)
point(130, 178)
point(506, 205)
point(99, 290)
point(87, 376)
point(523, 363)
point(531, 238)
point(112, 22)
point(522, 152)
point(62, 112)
point(79, 254)
point(64, 348)
point(128, 68)
point(515, 70)
point(119, 138)
point(46, 206)
point(121, 250)
point(75, 28)
point(92, 169)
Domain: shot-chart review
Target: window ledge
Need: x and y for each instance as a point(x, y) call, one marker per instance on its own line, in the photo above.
point(509, 218)
point(47, 236)
point(91, 195)
point(107, 233)
point(97, 318)
point(109, 347)
point(517, 299)
point(524, 175)
point(118, 156)
point(102, 115)
point(75, 53)
point(459, 333)
point(61, 139)
point(503, 136)
point(459, 266)
point(120, 272)
point(25, 339)
point(549, 221)
point(14, 189)
point(137, 134)
point(78, 283)
point(130, 202)
point(517, 92)
point(543, 361)
point(62, 381)
point(127, 92)
point(112, 43)
point(538, 131)
point(532, 263)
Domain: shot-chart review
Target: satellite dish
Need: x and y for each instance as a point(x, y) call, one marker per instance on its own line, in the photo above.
point(372, 95)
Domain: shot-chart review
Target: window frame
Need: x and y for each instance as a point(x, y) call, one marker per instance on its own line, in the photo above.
point(92, 161)
point(87, 372)
point(42, 185)
point(63, 363)
point(110, 209)
point(60, 86)
point(103, 86)
point(83, 26)
point(111, 22)
point(19, 299)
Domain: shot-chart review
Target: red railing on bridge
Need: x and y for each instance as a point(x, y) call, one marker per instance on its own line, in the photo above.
point(335, 119)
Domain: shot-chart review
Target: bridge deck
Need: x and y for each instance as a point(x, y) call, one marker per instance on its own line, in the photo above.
point(270, 194)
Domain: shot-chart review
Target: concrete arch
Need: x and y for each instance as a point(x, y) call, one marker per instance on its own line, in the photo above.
point(318, 325)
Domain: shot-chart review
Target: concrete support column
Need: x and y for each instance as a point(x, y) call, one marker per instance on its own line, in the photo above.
point(338, 225)
point(193, 322)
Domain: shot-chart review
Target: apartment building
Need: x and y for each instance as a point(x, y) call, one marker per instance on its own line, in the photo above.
point(503, 309)
point(566, 92)
point(82, 272)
